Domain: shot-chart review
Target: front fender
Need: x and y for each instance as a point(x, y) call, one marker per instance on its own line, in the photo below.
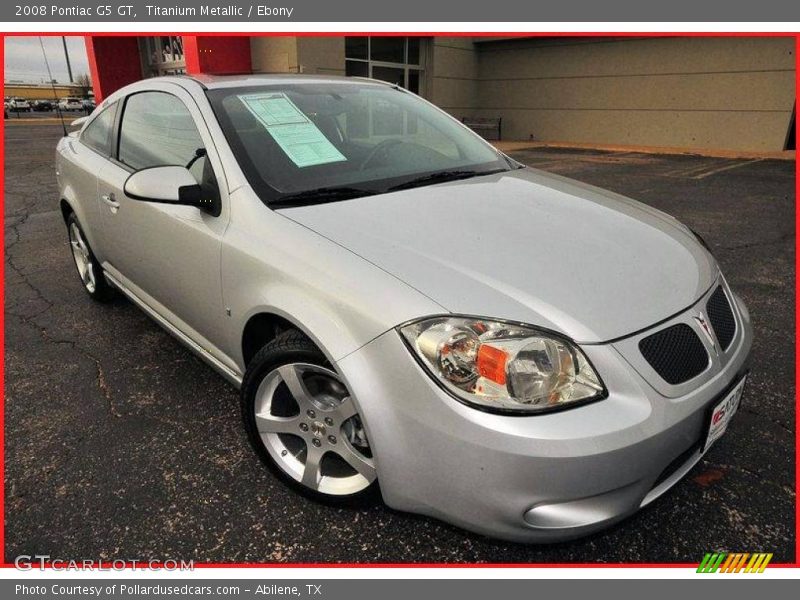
point(273, 265)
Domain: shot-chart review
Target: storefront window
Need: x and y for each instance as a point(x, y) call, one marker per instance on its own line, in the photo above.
point(413, 50)
point(387, 49)
point(398, 60)
point(356, 47)
point(391, 74)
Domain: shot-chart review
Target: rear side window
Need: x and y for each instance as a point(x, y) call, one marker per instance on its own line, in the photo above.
point(157, 130)
point(97, 134)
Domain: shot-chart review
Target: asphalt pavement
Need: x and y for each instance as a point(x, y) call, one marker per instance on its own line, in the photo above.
point(120, 444)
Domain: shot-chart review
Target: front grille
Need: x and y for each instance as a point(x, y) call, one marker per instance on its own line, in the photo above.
point(721, 317)
point(675, 353)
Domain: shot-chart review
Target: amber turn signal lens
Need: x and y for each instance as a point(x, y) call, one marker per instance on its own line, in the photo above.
point(492, 363)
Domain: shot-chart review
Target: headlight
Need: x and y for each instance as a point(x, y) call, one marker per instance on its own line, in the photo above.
point(503, 367)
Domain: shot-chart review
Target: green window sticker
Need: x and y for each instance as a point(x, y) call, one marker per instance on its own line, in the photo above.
point(292, 130)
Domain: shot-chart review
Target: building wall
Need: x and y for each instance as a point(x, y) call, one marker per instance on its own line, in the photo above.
point(451, 75)
point(274, 54)
point(41, 92)
point(732, 93)
point(311, 56)
point(321, 56)
point(722, 93)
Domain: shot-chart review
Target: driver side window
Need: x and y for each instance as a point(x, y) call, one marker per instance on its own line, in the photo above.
point(158, 130)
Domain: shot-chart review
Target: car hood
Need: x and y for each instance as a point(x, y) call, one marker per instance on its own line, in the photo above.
point(527, 246)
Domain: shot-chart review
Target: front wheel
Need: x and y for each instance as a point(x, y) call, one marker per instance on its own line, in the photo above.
point(303, 423)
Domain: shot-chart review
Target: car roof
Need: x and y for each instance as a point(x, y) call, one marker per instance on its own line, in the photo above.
point(253, 80)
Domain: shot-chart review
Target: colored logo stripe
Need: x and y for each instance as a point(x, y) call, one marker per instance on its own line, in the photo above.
point(758, 563)
point(735, 562)
point(710, 562)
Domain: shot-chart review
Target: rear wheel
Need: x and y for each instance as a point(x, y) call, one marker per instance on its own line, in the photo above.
point(302, 421)
point(89, 270)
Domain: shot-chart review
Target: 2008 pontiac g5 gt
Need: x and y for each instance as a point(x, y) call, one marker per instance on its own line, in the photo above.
point(402, 305)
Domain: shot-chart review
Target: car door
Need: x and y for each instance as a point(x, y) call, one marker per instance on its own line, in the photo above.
point(167, 256)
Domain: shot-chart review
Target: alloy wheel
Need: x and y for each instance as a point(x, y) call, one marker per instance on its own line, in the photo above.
point(82, 256)
point(310, 426)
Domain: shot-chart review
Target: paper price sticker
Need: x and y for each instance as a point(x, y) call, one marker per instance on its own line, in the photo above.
point(292, 130)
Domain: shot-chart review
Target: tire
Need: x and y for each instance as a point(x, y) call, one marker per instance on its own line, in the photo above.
point(88, 268)
point(296, 409)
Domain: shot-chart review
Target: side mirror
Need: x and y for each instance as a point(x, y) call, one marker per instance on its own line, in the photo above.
point(167, 185)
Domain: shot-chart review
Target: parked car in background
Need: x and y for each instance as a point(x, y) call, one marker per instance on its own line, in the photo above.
point(19, 105)
point(88, 105)
point(68, 104)
point(43, 105)
point(516, 353)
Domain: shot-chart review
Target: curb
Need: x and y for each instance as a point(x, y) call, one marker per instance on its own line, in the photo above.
point(515, 146)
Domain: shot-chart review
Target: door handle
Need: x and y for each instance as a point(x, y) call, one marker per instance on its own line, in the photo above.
point(111, 202)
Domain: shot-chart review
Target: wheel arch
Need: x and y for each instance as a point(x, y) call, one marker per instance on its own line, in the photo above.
point(66, 209)
point(265, 323)
point(69, 203)
point(286, 308)
point(69, 206)
point(260, 329)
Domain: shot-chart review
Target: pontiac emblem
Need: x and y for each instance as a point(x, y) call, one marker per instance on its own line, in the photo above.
point(701, 320)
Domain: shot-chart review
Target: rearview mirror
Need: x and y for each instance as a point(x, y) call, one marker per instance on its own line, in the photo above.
point(169, 185)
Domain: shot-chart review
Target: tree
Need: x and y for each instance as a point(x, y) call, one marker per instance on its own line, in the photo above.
point(83, 83)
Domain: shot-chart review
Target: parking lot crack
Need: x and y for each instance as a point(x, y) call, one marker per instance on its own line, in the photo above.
point(38, 296)
point(14, 228)
point(100, 376)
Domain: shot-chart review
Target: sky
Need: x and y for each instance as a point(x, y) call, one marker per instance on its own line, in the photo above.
point(24, 61)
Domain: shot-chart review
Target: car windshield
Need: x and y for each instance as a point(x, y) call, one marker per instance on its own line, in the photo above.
point(320, 142)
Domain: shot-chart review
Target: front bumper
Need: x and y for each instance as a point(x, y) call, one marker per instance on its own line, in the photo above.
point(540, 478)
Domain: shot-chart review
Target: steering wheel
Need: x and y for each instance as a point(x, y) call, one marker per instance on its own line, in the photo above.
point(382, 147)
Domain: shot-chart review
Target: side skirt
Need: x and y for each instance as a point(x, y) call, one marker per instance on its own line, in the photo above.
point(232, 376)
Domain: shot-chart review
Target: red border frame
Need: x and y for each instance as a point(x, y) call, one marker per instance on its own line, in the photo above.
point(97, 565)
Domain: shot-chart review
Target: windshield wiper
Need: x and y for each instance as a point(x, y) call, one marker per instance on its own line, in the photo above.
point(442, 177)
point(320, 196)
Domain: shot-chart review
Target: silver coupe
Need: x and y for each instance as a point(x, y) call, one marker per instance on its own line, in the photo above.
point(408, 312)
